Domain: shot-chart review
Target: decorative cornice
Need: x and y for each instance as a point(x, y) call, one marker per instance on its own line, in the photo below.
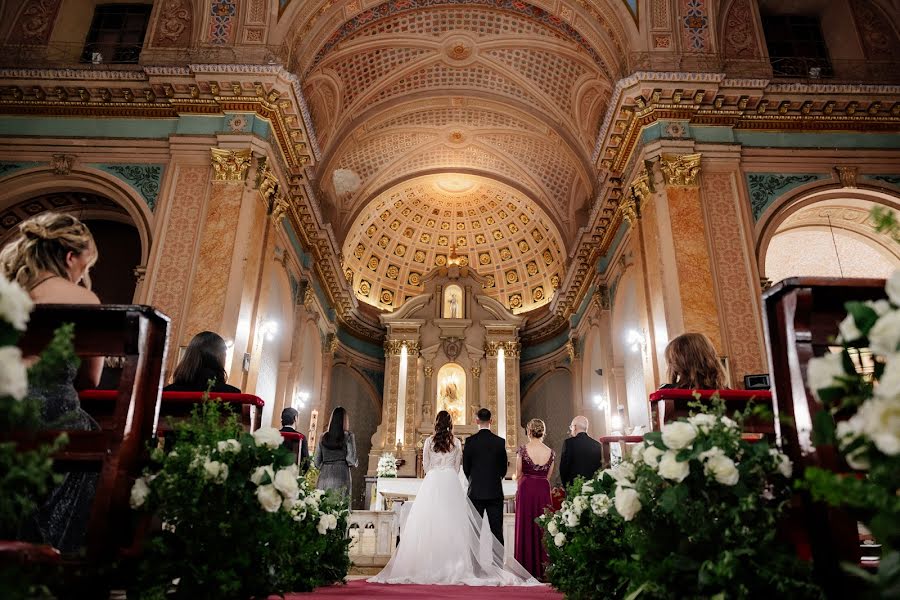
point(230, 165)
point(681, 169)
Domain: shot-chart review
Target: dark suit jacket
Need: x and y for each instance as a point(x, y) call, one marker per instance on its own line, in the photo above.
point(292, 446)
point(484, 464)
point(581, 455)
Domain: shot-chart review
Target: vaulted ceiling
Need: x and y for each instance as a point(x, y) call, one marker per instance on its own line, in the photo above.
point(501, 94)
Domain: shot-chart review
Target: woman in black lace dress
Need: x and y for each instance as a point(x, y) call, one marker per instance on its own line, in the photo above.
point(51, 260)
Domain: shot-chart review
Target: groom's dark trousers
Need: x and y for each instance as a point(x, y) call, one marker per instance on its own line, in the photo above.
point(484, 464)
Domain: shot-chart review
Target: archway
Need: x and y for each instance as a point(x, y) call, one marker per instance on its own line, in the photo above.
point(594, 383)
point(550, 399)
point(274, 327)
point(629, 344)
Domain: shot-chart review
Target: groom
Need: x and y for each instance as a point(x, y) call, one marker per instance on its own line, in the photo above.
point(484, 464)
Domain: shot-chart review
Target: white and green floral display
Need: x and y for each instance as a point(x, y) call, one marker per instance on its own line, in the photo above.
point(387, 466)
point(238, 518)
point(693, 513)
point(862, 418)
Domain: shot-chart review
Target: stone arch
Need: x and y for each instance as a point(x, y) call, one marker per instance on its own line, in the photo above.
point(782, 215)
point(272, 378)
point(628, 353)
point(594, 384)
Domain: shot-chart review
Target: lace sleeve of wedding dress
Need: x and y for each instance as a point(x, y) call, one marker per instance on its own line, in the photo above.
point(457, 454)
point(426, 454)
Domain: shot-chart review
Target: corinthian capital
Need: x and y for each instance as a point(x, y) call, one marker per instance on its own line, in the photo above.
point(230, 165)
point(680, 169)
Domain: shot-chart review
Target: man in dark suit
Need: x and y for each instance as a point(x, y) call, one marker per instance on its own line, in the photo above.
point(484, 464)
point(581, 454)
point(289, 417)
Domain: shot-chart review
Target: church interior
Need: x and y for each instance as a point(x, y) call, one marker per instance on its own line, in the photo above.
point(407, 206)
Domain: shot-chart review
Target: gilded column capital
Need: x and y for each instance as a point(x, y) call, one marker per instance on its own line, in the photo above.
point(230, 165)
point(681, 169)
point(601, 297)
point(572, 350)
point(280, 207)
point(429, 371)
point(476, 372)
point(395, 347)
point(331, 344)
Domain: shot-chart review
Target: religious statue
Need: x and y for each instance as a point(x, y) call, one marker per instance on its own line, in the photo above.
point(454, 307)
point(451, 402)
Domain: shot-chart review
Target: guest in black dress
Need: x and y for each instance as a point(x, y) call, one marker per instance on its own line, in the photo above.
point(51, 261)
point(203, 361)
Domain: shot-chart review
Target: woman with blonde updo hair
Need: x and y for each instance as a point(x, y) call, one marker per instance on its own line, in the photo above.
point(50, 260)
point(694, 363)
point(534, 467)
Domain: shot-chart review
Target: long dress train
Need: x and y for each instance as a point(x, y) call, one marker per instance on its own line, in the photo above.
point(444, 540)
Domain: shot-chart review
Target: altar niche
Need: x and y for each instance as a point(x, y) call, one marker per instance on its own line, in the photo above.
point(451, 392)
point(453, 303)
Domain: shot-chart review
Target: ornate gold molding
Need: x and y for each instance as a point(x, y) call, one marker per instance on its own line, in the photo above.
point(601, 297)
point(279, 209)
point(230, 165)
point(572, 350)
point(429, 371)
point(847, 175)
point(681, 169)
point(476, 372)
point(395, 347)
point(510, 349)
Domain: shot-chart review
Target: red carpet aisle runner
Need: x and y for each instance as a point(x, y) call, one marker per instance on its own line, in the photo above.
point(359, 589)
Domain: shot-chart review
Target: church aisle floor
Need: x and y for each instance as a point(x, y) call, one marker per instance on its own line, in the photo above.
point(357, 587)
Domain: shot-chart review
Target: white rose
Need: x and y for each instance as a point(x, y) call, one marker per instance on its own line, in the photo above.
point(552, 529)
point(570, 518)
point(722, 469)
point(559, 539)
point(858, 460)
point(714, 451)
point(822, 372)
point(848, 330)
point(267, 436)
point(600, 504)
point(702, 421)
point(13, 374)
point(587, 488)
point(637, 453)
point(323, 524)
point(889, 384)
point(622, 472)
point(286, 481)
point(783, 463)
point(15, 304)
point(268, 497)
point(139, 492)
point(728, 422)
point(670, 468)
point(678, 435)
point(260, 472)
point(892, 287)
point(884, 337)
point(652, 455)
point(628, 502)
point(880, 307)
point(880, 420)
point(229, 446)
point(215, 471)
point(299, 514)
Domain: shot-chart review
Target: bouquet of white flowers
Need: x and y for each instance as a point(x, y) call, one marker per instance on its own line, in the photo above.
point(387, 466)
point(862, 418)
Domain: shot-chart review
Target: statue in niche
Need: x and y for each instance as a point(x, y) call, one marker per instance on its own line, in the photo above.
point(453, 302)
point(452, 394)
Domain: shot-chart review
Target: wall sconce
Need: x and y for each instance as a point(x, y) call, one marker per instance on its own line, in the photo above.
point(635, 340)
point(300, 400)
point(268, 329)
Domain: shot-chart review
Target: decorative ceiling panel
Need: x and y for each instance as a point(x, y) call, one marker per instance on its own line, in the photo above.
point(467, 116)
point(420, 224)
point(367, 157)
point(359, 72)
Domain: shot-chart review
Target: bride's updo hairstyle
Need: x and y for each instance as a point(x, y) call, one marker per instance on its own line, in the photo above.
point(443, 432)
point(536, 428)
point(44, 246)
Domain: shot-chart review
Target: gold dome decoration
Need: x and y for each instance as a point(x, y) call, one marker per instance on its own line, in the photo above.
point(348, 275)
point(387, 296)
point(490, 220)
point(365, 287)
point(360, 250)
point(537, 235)
point(538, 294)
point(515, 301)
point(554, 281)
point(401, 255)
point(373, 263)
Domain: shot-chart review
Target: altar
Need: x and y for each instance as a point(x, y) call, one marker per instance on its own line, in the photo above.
point(388, 489)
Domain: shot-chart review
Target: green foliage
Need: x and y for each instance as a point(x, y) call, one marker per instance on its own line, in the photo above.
point(217, 540)
point(886, 222)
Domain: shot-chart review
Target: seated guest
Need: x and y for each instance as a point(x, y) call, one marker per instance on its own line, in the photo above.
point(694, 364)
point(203, 361)
point(50, 260)
point(289, 418)
point(581, 454)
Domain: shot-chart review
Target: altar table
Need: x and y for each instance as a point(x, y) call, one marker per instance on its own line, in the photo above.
point(406, 488)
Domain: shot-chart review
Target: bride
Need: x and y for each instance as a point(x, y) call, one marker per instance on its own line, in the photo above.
point(445, 541)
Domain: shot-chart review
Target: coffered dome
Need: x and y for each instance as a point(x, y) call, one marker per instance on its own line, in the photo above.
point(423, 223)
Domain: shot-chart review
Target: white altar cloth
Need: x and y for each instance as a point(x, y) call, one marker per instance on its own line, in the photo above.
point(408, 487)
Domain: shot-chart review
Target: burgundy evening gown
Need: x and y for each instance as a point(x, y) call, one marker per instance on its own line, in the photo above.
point(532, 497)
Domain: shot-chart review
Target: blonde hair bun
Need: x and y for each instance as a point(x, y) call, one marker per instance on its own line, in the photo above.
point(536, 428)
point(34, 229)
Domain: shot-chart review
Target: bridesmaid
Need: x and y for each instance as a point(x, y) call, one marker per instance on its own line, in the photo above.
point(336, 454)
point(534, 466)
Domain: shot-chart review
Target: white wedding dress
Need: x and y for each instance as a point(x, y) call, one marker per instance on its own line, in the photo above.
point(444, 540)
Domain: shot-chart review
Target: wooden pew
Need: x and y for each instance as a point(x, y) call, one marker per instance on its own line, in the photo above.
point(801, 321)
point(673, 404)
point(138, 334)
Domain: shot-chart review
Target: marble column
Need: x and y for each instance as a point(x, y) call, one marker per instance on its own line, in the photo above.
point(512, 351)
point(475, 402)
point(490, 363)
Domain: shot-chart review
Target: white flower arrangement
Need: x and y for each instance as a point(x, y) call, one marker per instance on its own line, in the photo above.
point(15, 304)
point(15, 308)
point(268, 436)
point(387, 466)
